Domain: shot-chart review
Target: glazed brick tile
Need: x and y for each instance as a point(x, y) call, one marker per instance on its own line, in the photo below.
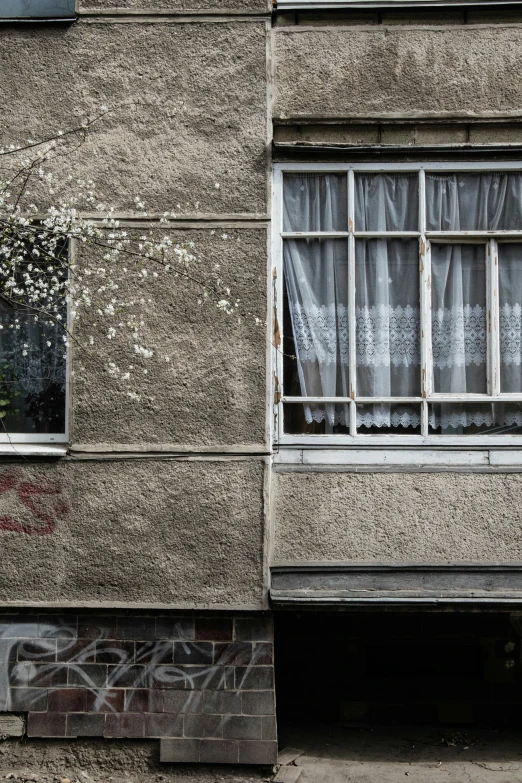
point(209, 677)
point(242, 727)
point(124, 725)
point(90, 675)
point(258, 702)
point(133, 676)
point(203, 726)
point(67, 700)
point(193, 652)
point(163, 725)
point(254, 678)
point(18, 626)
point(46, 724)
point(27, 700)
point(254, 629)
point(86, 725)
point(178, 701)
point(269, 728)
point(75, 650)
point(179, 750)
point(221, 702)
point(155, 652)
point(105, 700)
point(41, 675)
point(263, 654)
point(143, 700)
point(97, 627)
point(57, 626)
point(218, 751)
point(139, 629)
point(175, 628)
point(170, 677)
point(253, 752)
point(233, 653)
point(114, 651)
point(213, 629)
point(37, 650)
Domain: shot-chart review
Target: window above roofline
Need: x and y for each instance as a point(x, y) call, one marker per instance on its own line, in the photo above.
point(38, 10)
point(307, 440)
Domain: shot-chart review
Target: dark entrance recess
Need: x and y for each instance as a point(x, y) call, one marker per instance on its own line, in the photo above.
point(432, 668)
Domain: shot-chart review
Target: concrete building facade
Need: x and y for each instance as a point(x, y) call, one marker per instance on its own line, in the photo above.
point(143, 566)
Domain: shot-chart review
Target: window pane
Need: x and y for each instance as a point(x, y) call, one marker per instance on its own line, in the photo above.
point(316, 276)
point(387, 202)
point(316, 419)
point(32, 373)
point(459, 318)
point(315, 202)
point(475, 419)
point(388, 419)
point(387, 318)
point(510, 302)
point(474, 202)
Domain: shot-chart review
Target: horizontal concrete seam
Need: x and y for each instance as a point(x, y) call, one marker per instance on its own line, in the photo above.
point(184, 606)
point(413, 118)
point(279, 468)
point(179, 457)
point(385, 28)
point(129, 12)
point(179, 19)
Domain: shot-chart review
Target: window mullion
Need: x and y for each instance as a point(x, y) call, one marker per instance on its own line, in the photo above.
point(493, 319)
point(425, 305)
point(351, 303)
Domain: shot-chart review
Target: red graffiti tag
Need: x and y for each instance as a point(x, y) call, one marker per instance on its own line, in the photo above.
point(43, 500)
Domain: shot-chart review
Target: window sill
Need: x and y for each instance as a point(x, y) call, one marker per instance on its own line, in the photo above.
point(412, 458)
point(32, 450)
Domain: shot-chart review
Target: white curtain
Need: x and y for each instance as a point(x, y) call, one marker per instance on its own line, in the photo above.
point(387, 295)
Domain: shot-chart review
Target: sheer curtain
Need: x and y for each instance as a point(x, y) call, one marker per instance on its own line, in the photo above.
point(387, 315)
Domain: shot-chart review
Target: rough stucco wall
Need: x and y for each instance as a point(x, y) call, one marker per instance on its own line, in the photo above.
point(174, 5)
point(415, 517)
point(212, 392)
point(131, 532)
point(394, 70)
point(192, 113)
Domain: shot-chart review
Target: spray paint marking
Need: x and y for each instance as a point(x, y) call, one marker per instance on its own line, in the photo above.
point(44, 500)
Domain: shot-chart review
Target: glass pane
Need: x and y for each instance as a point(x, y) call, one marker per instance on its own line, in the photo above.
point(474, 202)
point(387, 318)
point(32, 373)
point(388, 419)
point(475, 418)
point(316, 419)
point(510, 303)
point(387, 202)
point(458, 327)
point(315, 202)
point(316, 288)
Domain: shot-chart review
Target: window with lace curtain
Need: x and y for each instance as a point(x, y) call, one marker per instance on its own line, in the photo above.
point(398, 296)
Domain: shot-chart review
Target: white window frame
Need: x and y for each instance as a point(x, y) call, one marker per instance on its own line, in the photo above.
point(490, 240)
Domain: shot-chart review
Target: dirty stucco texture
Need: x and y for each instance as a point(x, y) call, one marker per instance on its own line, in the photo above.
point(188, 108)
point(133, 532)
point(398, 70)
point(417, 517)
point(212, 390)
point(246, 6)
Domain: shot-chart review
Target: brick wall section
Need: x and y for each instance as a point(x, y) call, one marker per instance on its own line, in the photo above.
point(204, 685)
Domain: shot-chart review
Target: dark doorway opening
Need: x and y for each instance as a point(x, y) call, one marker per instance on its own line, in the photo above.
point(430, 668)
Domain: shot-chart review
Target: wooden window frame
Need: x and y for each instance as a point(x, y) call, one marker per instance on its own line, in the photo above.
point(490, 240)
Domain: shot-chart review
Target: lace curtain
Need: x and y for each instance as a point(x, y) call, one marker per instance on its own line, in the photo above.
point(387, 318)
